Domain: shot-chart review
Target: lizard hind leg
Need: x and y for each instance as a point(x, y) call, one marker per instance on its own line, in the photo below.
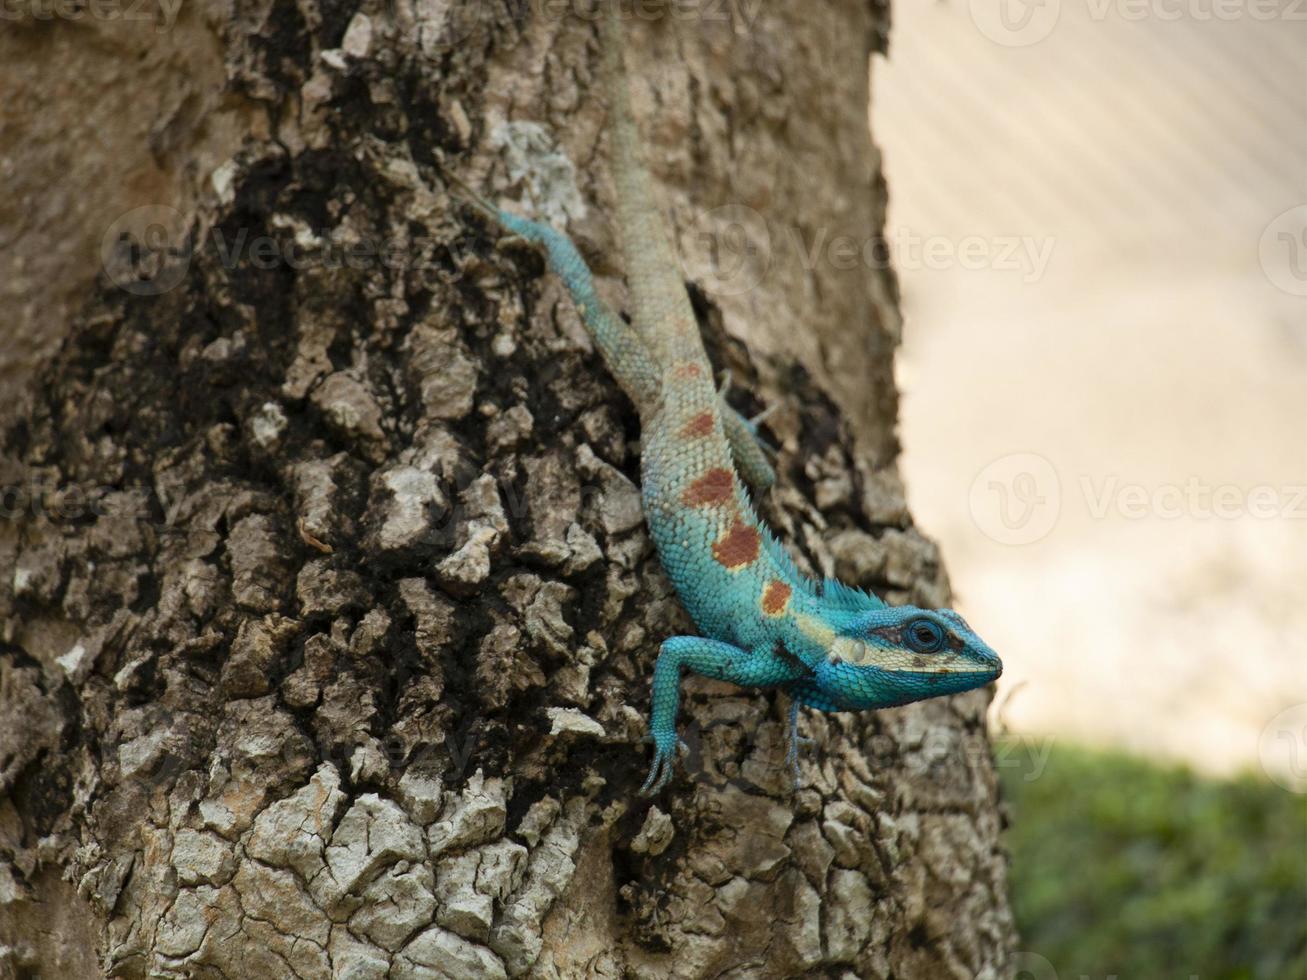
point(751, 454)
point(803, 694)
point(748, 450)
point(796, 741)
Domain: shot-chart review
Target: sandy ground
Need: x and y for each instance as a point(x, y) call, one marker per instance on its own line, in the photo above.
point(1100, 225)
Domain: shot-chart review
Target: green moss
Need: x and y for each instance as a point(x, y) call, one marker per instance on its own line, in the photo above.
point(1121, 866)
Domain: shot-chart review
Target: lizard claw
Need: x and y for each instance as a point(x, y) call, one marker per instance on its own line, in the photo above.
point(664, 764)
point(659, 774)
point(725, 384)
point(762, 416)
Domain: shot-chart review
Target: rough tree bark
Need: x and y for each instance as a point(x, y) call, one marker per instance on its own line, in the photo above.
point(329, 612)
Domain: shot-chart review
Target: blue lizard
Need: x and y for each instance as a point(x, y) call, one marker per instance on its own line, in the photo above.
point(827, 645)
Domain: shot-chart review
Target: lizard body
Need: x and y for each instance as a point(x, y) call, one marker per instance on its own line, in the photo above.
point(829, 646)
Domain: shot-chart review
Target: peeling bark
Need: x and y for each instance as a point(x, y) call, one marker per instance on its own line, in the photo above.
point(331, 615)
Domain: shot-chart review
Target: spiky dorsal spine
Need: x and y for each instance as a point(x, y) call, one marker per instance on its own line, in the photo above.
point(845, 597)
point(831, 591)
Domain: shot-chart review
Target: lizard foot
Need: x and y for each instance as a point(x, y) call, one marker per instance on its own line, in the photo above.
point(664, 763)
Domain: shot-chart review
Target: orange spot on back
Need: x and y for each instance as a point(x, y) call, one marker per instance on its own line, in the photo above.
point(775, 597)
point(687, 370)
point(715, 487)
point(699, 426)
point(738, 546)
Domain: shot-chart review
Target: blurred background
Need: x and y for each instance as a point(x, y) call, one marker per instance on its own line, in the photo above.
point(1098, 215)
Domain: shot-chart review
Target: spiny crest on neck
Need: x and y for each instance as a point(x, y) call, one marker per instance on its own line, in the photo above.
point(846, 598)
point(829, 591)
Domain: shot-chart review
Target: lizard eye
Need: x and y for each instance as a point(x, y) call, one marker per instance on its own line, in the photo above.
point(923, 636)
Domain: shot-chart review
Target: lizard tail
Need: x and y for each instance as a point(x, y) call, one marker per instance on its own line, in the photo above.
point(660, 306)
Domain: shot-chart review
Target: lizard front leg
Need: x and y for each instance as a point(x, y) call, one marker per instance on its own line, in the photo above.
point(710, 658)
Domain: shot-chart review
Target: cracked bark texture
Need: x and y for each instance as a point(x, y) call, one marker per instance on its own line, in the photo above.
point(331, 615)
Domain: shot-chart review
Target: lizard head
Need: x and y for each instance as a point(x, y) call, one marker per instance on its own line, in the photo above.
point(894, 655)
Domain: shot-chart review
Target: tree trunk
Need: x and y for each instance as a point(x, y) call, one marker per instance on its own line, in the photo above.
point(332, 614)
